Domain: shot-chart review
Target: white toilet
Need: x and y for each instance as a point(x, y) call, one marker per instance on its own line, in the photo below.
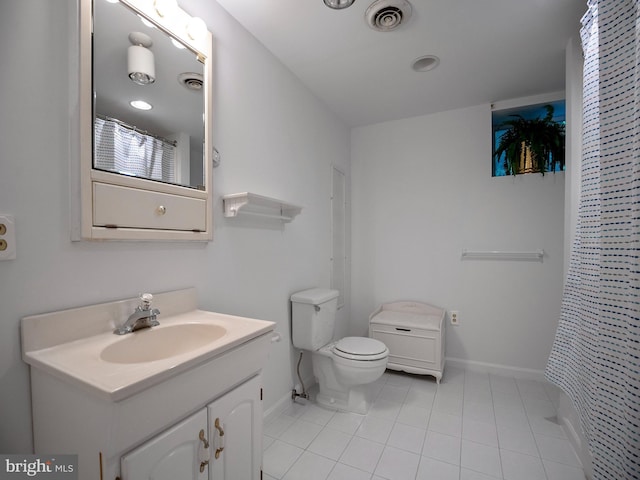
point(344, 368)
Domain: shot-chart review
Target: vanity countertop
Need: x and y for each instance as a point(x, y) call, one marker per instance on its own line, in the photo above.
point(71, 348)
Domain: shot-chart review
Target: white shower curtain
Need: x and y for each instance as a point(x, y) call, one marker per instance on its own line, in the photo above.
point(123, 150)
point(595, 358)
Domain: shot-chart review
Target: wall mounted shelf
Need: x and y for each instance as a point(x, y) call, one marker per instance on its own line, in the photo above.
point(257, 205)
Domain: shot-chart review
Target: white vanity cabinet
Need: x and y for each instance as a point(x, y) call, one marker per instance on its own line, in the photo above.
point(104, 433)
point(132, 417)
point(175, 453)
point(235, 434)
point(221, 442)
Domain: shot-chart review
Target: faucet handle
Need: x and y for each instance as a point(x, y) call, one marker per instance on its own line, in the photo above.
point(145, 301)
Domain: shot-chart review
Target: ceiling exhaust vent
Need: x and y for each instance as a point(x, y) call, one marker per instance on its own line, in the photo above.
point(191, 81)
point(387, 15)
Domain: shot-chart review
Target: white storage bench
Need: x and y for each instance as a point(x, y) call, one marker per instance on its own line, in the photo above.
point(414, 334)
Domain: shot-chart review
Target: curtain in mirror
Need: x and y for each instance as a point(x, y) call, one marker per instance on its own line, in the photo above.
point(120, 149)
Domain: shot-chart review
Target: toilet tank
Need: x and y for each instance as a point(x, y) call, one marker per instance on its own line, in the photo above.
point(313, 315)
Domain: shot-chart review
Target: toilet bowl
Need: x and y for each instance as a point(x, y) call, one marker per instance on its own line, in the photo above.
point(344, 368)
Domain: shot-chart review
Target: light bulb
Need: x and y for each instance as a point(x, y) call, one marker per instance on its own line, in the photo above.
point(165, 7)
point(196, 28)
point(177, 44)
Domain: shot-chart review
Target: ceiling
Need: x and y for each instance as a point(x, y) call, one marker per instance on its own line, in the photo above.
point(489, 50)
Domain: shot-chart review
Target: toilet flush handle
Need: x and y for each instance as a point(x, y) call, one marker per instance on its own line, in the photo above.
point(317, 307)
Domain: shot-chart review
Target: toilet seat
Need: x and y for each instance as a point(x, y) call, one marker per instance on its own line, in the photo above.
point(360, 348)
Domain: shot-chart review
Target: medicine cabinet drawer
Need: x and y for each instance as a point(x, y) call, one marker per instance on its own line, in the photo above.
point(123, 207)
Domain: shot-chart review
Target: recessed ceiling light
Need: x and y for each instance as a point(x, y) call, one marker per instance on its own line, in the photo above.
point(140, 105)
point(425, 63)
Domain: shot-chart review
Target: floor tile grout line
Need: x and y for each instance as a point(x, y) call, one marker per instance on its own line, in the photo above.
point(465, 391)
point(535, 441)
point(350, 466)
point(493, 409)
point(461, 427)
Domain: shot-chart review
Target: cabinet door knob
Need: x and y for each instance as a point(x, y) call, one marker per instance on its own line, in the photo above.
point(203, 451)
point(161, 210)
point(220, 438)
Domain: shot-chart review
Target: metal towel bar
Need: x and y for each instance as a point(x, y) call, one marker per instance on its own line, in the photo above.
point(528, 256)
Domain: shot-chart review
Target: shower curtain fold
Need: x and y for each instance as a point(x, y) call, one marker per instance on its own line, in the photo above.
point(595, 358)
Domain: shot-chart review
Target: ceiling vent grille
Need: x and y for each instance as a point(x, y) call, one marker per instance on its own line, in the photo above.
point(191, 81)
point(387, 15)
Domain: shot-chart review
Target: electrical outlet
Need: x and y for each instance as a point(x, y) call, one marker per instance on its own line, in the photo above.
point(455, 317)
point(7, 237)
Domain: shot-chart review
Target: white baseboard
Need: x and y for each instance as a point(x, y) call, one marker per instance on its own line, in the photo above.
point(277, 408)
point(284, 402)
point(494, 368)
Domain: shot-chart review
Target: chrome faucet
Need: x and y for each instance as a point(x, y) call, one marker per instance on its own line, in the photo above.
point(143, 317)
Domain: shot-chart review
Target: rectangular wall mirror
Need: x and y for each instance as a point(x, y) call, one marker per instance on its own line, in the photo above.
point(145, 122)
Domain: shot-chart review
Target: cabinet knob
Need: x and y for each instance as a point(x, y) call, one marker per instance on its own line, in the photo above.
point(220, 438)
point(161, 210)
point(204, 451)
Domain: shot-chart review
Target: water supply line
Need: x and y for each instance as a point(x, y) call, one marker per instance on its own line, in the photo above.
point(302, 397)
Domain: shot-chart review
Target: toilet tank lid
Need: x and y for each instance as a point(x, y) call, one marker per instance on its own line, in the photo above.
point(315, 296)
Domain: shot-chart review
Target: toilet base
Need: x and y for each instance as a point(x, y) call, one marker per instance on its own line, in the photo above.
point(344, 384)
point(356, 399)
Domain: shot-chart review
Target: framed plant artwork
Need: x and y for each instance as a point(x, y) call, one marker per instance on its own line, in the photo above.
point(529, 139)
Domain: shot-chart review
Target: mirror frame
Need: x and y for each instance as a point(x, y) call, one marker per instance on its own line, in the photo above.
point(87, 230)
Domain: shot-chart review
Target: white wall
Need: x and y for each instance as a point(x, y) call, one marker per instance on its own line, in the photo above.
point(422, 192)
point(275, 138)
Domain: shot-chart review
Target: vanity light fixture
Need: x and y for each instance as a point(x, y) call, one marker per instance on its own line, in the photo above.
point(338, 4)
point(140, 105)
point(140, 62)
point(165, 7)
point(196, 28)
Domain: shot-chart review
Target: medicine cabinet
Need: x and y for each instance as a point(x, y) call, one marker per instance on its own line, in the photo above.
point(143, 174)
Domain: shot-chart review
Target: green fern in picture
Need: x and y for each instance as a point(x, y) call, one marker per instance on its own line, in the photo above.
point(532, 145)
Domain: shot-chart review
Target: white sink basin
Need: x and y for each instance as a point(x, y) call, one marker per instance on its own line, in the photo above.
point(78, 345)
point(158, 343)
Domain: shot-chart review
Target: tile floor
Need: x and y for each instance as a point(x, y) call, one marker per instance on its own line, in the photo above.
point(472, 426)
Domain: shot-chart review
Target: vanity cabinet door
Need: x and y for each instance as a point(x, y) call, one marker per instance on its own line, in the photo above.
point(235, 432)
point(177, 453)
